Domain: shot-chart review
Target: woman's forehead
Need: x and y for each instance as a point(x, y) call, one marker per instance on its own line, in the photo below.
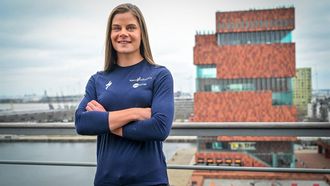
point(124, 18)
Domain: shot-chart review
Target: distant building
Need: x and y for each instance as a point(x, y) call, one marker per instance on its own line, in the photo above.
point(302, 90)
point(321, 93)
point(183, 108)
point(244, 74)
point(319, 109)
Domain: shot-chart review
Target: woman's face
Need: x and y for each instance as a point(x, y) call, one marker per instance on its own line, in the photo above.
point(125, 34)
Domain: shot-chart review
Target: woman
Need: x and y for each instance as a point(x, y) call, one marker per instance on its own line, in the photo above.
point(129, 106)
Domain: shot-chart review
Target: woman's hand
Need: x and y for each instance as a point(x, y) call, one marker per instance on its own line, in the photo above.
point(95, 106)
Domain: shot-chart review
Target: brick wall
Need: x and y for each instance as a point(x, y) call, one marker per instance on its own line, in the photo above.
point(240, 107)
point(239, 17)
point(246, 61)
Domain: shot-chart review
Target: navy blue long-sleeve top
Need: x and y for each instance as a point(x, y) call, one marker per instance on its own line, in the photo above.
point(137, 158)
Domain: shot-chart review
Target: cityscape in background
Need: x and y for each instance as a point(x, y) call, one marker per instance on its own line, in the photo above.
point(245, 72)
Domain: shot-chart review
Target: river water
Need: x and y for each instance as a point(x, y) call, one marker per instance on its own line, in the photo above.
point(28, 175)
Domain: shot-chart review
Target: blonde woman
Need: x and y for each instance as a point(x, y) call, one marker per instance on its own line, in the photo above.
point(129, 106)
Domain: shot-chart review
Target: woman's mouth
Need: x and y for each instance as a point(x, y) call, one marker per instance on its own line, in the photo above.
point(124, 42)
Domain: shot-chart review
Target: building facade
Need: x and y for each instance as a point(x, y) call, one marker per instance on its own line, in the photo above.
point(246, 67)
point(302, 90)
point(244, 74)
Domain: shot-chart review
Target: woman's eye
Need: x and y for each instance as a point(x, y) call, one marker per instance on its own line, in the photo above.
point(115, 28)
point(131, 28)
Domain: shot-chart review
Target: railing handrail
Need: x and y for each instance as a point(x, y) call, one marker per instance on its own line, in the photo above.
point(181, 167)
point(176, 125)
point(302, 129)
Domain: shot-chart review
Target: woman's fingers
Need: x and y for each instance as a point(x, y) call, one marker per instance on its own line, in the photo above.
point(88, 108)
point(93, 102)
point(97, 104)
point(91, 105)
point(94, 106)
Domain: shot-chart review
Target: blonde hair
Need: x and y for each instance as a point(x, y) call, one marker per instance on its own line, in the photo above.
point(110, 52)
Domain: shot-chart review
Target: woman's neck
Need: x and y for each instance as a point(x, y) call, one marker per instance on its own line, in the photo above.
point(125, 60)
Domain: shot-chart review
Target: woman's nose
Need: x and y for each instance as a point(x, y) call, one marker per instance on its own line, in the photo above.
point(123, 33)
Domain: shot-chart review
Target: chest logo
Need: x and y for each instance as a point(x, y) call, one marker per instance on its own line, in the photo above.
point(136, 85)
point(108, 85)
point(139, 79)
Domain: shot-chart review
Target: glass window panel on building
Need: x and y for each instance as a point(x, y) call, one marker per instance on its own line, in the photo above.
point(259, 37)
point(229, 40)
point(289, 82)
point(263, 80)
point(281, 35)
point(207, 88)
point(226, 84)
point(268, 37)
point(263, 37)
point(217, 146)
point(254, 37)
point(277, 36)
point(241, 38)
point(285, 86)
point(280, 98)
point(219, 39)
point(225, 39)
point(215, 88)
point(282, 84)
point(257, 83)
point(267, 84)
point(272, 37)
point(273, 84)
point(234, 40)
point(246, 37)
point(206, 71)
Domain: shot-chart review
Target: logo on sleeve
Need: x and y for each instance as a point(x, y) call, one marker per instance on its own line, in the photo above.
point(108, 85)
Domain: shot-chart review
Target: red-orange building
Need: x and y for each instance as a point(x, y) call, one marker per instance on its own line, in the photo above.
point(244, 74)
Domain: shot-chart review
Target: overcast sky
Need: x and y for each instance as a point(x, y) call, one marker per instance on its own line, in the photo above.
point(56, 45)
